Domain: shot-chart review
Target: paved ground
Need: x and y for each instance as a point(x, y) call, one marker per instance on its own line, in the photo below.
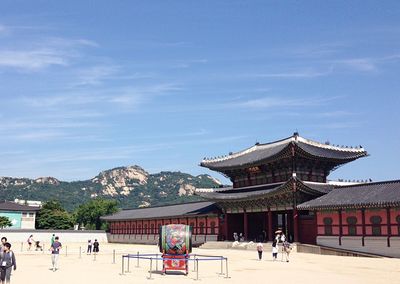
point(34, 267)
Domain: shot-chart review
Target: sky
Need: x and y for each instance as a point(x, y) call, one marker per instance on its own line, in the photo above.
point(87, 86)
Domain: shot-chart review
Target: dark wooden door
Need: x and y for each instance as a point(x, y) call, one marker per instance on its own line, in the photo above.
point(308, 230)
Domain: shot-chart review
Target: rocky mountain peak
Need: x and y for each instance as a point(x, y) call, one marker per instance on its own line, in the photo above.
point(47, 180)
point(121, 180)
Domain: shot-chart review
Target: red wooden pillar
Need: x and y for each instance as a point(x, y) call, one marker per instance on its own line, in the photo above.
point(205, 237)
point(295, 212)
point(340, 227)
point(195, 224)
point(141, 233)
point(245, 224)
point(389, 229)
point(270, 233)
point(295, 224)
point(363, 226)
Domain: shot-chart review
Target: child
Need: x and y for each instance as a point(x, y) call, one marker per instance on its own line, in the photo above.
point(7, 262)
point(260, 248)
point(274, 250)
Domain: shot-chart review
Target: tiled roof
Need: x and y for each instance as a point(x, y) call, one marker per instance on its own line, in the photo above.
point(264, 152)
point(12, 206)
point(377, 194)
point(242, 193)
point(319, 186)
point(263, 191)
point(176, 210)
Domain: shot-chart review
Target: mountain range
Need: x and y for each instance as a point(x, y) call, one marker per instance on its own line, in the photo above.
point(131, 186)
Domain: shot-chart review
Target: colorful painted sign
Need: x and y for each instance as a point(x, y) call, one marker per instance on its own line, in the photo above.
point(15, 218)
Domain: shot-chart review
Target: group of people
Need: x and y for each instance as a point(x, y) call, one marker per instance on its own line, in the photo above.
point(279, 241)
point(238, 238)
point(55, 247)
point(95, 247)
point(7, 261)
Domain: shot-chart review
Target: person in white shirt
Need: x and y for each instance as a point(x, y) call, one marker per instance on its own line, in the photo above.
point(260, 249)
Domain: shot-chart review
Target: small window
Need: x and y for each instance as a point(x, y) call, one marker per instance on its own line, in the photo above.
point(376, 225)
point(139, 229)
point(133, 229)
point(328, 226)
point(152, 229)
point(212, 228)
point(145, 229)
point(201, 228)
point(352, 222)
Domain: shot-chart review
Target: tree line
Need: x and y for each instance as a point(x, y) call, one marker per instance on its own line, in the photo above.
point(53, 216)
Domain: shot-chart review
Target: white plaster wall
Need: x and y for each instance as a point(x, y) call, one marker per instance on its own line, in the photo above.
point(44, 236)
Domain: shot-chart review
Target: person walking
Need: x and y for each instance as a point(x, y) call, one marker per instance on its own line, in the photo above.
point(7, 262)
point(260, 249)
point(30, 242)
point(286, 250)
point(89, 247)
point(55, 253)
point(274, 250)
point(96, 246)
point(3, 241)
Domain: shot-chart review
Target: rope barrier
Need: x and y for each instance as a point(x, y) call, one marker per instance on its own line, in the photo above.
point(196, 258)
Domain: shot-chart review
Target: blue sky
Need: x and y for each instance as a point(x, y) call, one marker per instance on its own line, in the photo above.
point(91, 85)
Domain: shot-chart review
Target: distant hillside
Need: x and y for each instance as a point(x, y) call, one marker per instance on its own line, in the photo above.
point(130, 186)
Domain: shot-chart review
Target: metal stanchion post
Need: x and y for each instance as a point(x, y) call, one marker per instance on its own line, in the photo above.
point(226, 261)
point(80, 252)
point(122, 265)
point(137, 265)
point(43, 248)
point(197, 269)
point(157, 262)
point(151, 268)
point(22, 246)
point(129, 259)
point(113, 256)
point(194, 264)
point(94, 257)
point(222, 266)
point(66, 250)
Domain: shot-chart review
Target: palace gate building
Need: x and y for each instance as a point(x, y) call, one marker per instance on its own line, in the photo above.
point(270, 180)
point(282, 185)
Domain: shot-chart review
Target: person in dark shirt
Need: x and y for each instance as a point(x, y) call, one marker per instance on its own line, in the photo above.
point(7, 262)
point(55, 253)
point(95, 247)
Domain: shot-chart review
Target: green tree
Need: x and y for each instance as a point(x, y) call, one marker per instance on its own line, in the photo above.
point(53, 216)
point(89, 213)
point(5, 222)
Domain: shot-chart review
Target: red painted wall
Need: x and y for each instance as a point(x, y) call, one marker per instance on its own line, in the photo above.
point(369, 213)
point(139, 226)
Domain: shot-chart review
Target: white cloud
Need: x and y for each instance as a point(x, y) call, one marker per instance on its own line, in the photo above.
point(279, 102)
point(96, 74)
point(32, 59)
point(359, 64)
point(301, 73)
